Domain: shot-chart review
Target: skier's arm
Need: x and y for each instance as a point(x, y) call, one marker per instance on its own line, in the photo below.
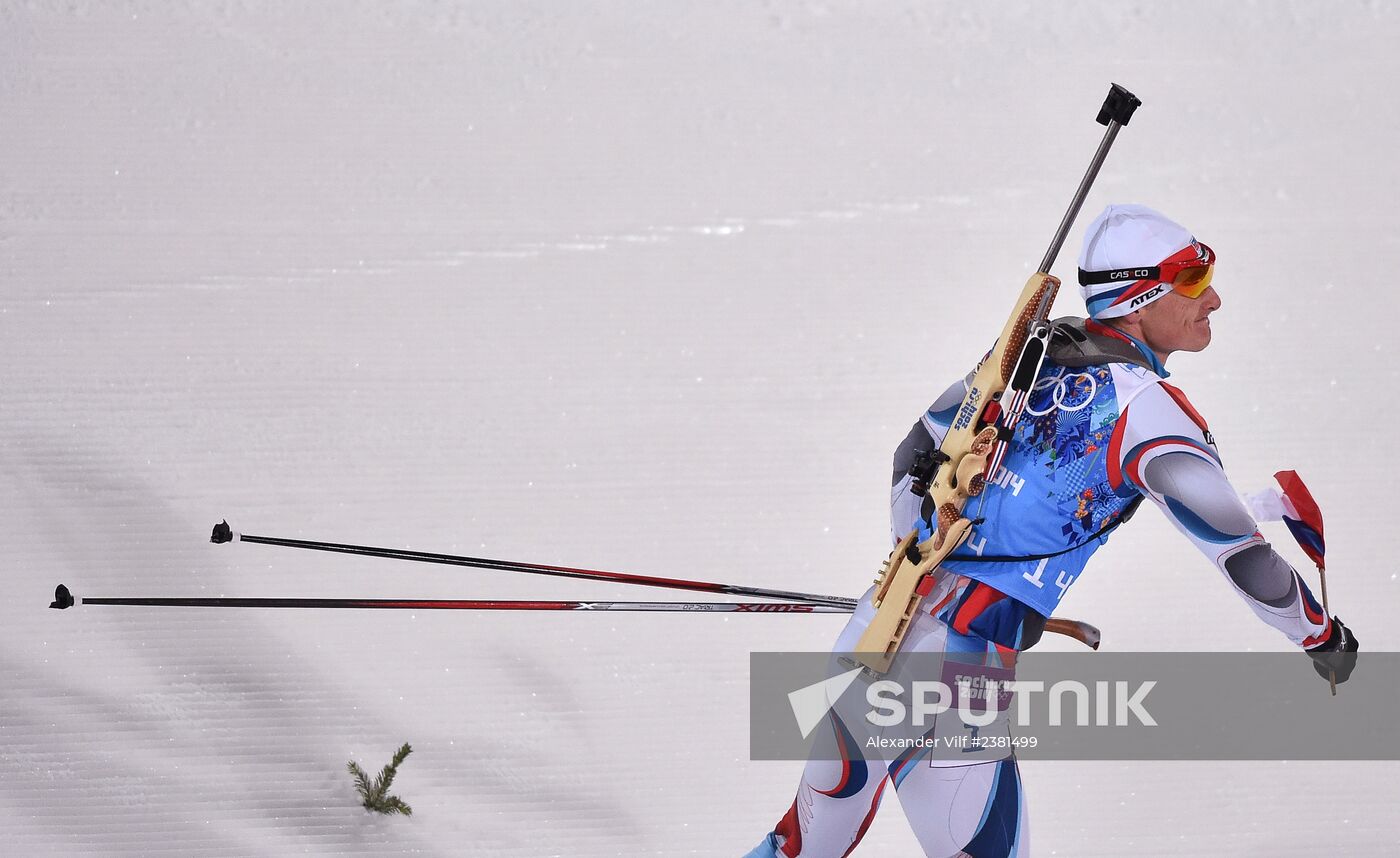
point(1168, 455)
point(927, 434)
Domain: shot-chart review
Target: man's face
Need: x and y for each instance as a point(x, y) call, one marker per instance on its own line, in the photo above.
point(1179, 324)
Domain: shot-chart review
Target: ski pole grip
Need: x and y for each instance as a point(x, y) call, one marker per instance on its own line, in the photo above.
point(1119, 106)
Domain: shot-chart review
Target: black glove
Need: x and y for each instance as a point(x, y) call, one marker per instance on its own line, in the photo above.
point(1336, 654)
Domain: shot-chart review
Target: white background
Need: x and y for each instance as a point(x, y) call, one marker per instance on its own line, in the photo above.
point(650, 287)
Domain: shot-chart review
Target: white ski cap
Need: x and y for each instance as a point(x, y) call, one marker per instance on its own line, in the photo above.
point(1126, 236)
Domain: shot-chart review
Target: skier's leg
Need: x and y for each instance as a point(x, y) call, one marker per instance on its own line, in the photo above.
point(835, 804)
point(958, 809)
point(977, 811)
point(836, 798)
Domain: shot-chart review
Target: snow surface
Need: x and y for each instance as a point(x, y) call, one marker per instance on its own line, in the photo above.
point(651, 287)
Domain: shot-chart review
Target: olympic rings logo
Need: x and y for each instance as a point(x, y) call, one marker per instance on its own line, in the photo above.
point(1072, 392)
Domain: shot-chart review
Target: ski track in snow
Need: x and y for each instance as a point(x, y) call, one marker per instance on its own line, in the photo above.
point(623, 287)
point(523, 250)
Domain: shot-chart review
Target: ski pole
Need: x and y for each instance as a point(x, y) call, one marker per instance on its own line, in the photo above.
point(1303, 518)
point(223, 533)
point(63, 599)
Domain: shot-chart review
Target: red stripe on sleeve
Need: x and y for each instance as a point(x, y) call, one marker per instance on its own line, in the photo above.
point(1115, 452)
point(1180, 399)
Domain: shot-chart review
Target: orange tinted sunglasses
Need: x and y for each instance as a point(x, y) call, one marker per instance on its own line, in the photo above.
point(1189, 271)
point(1194, 281)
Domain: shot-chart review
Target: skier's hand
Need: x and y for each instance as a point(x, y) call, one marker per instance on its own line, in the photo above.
point(1336, 654)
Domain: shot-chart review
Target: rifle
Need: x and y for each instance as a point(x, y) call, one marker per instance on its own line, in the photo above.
point(982, 428)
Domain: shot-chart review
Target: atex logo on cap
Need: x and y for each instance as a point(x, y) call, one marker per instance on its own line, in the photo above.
point(1148, 295)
